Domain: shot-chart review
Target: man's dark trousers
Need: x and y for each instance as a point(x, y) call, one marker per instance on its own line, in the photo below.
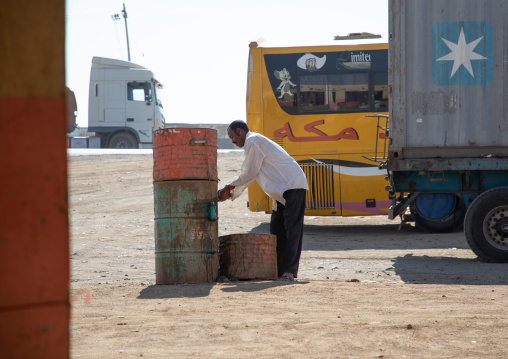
point(287, 224)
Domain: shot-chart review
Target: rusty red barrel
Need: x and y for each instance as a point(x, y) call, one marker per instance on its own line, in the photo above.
point(186, 239)
point(185, 153)
point(248, 256)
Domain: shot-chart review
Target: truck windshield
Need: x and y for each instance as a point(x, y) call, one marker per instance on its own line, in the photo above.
point(157, 95)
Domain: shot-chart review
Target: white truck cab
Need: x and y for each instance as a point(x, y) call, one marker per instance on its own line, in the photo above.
point(124, 107)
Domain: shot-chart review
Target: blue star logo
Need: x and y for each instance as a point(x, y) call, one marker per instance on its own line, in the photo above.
point(462, 53)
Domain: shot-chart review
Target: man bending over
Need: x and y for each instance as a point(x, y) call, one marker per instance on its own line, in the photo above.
point(280, 176)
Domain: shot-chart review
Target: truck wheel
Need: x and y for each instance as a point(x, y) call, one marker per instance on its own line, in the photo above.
point(438, 212)
point(123, 140)
point(486, 225)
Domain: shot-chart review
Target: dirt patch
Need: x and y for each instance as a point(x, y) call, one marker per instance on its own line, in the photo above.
point(367, 286)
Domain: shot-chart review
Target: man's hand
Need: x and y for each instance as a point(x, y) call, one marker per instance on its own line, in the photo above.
point(225, 193)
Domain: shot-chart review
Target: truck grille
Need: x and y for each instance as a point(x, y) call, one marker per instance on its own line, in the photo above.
point(320, 180)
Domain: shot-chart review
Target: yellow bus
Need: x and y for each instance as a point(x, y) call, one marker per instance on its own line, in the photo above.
point(327, 106)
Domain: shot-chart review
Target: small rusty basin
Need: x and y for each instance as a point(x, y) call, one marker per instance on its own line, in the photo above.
point(248, 256)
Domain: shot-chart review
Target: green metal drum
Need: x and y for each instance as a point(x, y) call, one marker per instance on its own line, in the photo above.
point(186, 239)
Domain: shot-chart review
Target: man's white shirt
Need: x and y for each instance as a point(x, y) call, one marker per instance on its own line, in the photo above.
point(271, 166)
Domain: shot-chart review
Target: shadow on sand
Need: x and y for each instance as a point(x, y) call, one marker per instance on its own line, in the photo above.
point(203, 289)
point(382, 236)
point(449, 270)
point(176, 291)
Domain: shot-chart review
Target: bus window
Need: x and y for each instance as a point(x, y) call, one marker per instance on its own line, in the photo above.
point(380, 91)
point(344, 92)
point(312, 93)
point(351, 91)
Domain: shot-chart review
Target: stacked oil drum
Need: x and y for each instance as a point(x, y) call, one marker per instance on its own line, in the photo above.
point(185, 205)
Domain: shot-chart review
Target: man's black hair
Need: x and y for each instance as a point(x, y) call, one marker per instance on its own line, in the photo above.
point(238, 124)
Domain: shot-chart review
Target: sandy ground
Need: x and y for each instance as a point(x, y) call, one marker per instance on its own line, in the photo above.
point(367, 287)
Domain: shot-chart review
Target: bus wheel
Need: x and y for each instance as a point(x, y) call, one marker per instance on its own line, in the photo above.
point(438, 212)
point(486, 225)
point(123, 140)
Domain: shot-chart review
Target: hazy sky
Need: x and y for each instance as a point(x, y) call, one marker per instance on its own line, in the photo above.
point(199, 49)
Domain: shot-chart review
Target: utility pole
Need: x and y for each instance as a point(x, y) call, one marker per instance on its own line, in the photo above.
point(117, 17)
point(126, 32)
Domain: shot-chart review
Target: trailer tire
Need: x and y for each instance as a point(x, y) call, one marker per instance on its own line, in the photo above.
point(123, 140)
point(486, 225)
point(450, 221)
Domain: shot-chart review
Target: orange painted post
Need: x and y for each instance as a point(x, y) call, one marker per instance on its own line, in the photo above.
point(34, 235)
